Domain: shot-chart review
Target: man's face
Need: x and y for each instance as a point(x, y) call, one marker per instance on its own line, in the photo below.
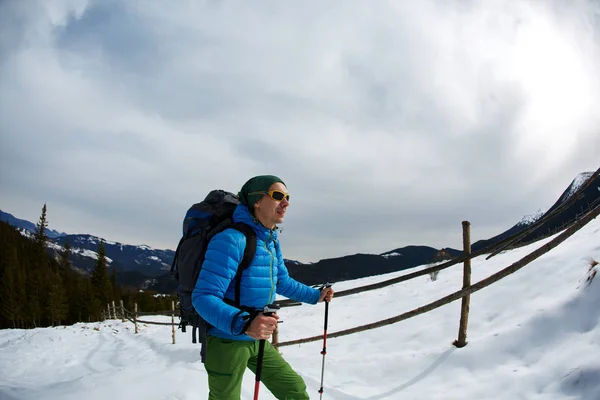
point(269, 210)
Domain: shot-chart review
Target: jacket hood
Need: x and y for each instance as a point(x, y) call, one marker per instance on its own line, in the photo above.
point(242, 214)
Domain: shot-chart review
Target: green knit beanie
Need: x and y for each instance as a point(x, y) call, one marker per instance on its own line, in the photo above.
point(260, 184)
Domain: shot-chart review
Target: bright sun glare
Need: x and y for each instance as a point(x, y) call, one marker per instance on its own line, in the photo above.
point(551, 68)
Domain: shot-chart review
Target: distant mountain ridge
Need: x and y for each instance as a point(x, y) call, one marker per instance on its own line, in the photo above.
point(588, 199)
point(24, 224)
point(147, 268)
point(362, 265)
point(141, 258)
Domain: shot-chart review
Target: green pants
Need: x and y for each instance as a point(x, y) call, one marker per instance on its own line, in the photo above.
point(226, 362)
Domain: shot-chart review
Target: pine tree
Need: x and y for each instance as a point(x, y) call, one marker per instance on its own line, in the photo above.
point(41, 236)
point(37, 290)
point(37, 273)
point(145, 301)
point(94, 306)
point(33, 312)
point(57, 300)
point(79, 303)
point(71, 281)
point(63, 256)
point(8, 287)
point(100, 282)
point(88, 305)
point(116, 290)
point(20, 292)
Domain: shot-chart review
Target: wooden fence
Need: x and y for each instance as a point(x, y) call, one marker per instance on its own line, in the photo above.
point(465, 291)
point(463, 294)
point(112, 312)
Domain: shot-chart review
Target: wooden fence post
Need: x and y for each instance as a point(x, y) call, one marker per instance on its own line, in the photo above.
point(275, 340)
point(135, 317)
point(466, 300)
point(114, 310)
point(173, 319)
point(122, 311)
point(108, 307)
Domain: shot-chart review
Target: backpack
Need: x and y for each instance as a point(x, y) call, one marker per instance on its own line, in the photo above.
point(201, 223)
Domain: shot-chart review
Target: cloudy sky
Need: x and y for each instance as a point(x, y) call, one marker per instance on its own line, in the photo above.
point(390, 121)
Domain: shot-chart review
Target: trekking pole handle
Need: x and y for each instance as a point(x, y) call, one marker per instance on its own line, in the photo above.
point(270, 309)
point(326, 285)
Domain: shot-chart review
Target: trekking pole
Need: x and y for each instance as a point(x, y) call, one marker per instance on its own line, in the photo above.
point(324, 351)
point(269, 310)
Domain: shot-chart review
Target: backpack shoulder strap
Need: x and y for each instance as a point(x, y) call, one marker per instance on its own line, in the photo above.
point(249, 253)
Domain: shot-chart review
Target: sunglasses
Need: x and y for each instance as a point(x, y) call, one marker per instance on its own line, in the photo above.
point(276, 195)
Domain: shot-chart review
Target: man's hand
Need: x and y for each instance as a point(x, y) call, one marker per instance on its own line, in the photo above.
point(326, 294)
point(262, 326)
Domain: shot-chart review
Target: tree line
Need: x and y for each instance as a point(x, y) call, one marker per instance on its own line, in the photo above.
point(39, 286)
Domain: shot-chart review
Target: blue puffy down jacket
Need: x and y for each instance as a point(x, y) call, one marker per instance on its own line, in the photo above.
point(266, 276)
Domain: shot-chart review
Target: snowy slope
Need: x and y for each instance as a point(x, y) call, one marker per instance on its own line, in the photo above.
point(534, 335)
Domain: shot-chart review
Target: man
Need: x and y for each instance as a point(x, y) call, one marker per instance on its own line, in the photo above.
point(233, 339)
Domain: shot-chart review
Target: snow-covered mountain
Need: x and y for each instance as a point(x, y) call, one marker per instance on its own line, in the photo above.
point(136, 265)
point(579, 180)
point(529, 219)
point(142, 258)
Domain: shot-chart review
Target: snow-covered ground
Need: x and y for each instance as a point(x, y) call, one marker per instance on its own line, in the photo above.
point(534, 335)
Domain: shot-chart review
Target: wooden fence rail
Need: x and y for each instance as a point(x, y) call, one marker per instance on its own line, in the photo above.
point(466, 291)
point(146, 313)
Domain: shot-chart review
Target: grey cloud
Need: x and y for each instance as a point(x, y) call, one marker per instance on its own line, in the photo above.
point(389, 122)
